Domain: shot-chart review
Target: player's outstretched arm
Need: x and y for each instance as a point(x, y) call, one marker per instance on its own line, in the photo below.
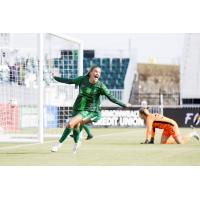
point(107, 93)
point(68, 80)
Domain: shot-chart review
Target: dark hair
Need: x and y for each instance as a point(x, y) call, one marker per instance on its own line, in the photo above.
point(91, 69)
point(142, 111)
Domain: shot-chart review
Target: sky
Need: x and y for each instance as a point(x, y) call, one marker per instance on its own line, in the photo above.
point(165, 47)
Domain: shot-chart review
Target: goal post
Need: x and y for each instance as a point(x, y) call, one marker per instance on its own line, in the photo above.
point(64, 56)
point(32, 104)
point(41, 88)
point(19, 86)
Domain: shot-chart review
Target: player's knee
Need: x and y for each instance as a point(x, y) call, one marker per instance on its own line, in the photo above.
point(70, 125)
point(76, 127)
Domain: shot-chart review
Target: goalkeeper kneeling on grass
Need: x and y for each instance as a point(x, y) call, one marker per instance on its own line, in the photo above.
point(171, 133)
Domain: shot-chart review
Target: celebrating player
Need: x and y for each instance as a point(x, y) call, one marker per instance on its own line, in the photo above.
point(169, 126)
point(86, 108)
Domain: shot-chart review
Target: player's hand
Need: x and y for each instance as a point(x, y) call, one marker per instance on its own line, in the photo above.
point(151, 141)
point(145, 142)
point(53, 73)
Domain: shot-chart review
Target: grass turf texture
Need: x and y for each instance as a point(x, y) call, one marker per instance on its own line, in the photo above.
point(109, 147)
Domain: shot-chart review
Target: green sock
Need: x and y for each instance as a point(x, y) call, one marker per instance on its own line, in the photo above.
point(65, 134)
point(87, 129)
point(76, 133)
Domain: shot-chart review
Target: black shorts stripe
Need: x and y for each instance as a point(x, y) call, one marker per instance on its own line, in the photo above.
point(164, 122)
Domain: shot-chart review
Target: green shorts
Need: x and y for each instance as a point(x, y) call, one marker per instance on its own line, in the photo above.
point(93, 116)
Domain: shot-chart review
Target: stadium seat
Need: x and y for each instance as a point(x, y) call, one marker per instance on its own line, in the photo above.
point(113, 71)
point(115, 63)
point(96, 61)
point(105, 63)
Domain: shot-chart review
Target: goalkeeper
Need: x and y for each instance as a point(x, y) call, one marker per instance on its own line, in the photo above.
point(170, 128)
point(86, 108)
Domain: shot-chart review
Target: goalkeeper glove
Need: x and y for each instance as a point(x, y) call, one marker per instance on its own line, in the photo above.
point(151, 141)
point(145, 142)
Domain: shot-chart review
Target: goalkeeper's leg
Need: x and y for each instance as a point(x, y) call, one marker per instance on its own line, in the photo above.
point(171, 135)
point(178, 138)
point(183, 139)
point(165, 138)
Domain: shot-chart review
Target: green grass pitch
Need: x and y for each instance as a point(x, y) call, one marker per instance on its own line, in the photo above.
point(109, 147)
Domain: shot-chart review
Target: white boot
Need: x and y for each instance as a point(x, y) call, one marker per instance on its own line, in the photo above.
point(76, 146)
point(195, 135)
point(56, 147)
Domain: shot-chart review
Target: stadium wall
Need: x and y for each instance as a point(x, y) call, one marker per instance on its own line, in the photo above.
point(154, 80)
point(118, 117)
point(57, 117)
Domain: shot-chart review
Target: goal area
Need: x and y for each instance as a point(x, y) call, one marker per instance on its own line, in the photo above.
point(32, 103)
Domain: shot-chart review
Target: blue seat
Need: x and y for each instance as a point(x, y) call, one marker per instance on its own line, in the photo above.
point(105, 63)
point(86, 63)
point(96, 61)
point(125, 61)
point(115, 62)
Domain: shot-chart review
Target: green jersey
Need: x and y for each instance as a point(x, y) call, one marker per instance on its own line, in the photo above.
point(89, 94)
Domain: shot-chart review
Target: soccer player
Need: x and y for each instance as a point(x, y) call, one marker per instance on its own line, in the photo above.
point(86, 108)
point(169, 126)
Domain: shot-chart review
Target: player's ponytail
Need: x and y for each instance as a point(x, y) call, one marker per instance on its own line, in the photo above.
point(144, 111)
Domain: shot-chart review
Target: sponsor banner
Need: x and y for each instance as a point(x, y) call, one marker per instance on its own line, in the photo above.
point(185, 117)
point(9, 117)
point(51, 117)
point(115, 117)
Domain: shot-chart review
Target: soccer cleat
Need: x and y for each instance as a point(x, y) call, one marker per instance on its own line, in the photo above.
point(56, 147)
point(72, 136)
point(89, 137)
point(195, 135)
point(192, 127)
point(75, 147)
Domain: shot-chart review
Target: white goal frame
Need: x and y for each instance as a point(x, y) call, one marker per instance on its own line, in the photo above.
point(41, 134)
point(39, 138)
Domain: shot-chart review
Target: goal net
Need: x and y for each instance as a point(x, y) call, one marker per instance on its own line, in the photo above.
point(63, 56)
point(19, 86)
point(31, 102)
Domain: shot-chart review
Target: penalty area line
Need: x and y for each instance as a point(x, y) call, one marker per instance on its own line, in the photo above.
point(24, 145)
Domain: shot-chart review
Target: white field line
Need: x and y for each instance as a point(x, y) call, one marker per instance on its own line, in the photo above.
point(47, 142)
point(23, 145)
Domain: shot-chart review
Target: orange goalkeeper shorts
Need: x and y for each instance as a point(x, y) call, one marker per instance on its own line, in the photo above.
point(170, 130)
